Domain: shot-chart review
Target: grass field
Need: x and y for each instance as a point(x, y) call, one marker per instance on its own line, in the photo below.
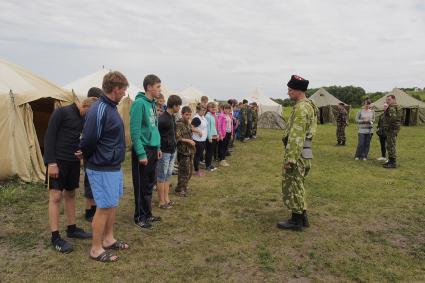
point(367, 223)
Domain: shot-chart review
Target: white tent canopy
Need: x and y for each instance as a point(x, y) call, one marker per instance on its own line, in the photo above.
point(82, 85)
point(264, 103)
point(192, 95)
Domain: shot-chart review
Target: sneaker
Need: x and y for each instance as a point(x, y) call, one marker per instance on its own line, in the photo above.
point(356, 158)
point(224, 163)
point(364, 159)
point(62, 246)
point(79, 233)
point(211, 168)
point(144, 225)
point(154, 219)
point(381, 159)
point(254, 137)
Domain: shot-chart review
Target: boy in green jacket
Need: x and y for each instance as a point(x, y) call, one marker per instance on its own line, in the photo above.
point(146, 149)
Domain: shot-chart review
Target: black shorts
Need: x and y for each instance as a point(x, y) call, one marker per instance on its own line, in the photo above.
point(87, 188)
point(69, 176)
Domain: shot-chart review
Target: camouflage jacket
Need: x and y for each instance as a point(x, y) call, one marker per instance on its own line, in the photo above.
point(392, 119)
point(302, 125)
point(341, 118)
point(184, 131)
point(243, 114)
point(254, 115)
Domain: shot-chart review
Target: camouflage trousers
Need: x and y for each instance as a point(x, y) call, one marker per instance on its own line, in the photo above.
point(254, 128)
point(391, 144)
point(294, 196)
point(242, 130)
point(340, 133)
point(185, 171)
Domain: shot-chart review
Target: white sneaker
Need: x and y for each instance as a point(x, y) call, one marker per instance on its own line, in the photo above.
point(381, 159)
point(356, 158)
point(224, 163)
point(364, 159)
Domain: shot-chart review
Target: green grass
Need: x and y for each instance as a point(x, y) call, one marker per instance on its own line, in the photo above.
point(367, 223)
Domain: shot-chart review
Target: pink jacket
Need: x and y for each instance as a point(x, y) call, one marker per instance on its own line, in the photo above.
point(222, 124)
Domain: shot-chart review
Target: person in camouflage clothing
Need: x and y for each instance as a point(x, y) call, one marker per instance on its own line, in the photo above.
point(243, 121)
point(341, 123)
point(297, 139)
point(254, 120)
point(391, 122)
point(185, 151)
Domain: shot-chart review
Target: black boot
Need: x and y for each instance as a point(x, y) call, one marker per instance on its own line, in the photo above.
point(343, 143)
point(296, 225)
point(305, 219)
point(390, 164)
point(338, 143)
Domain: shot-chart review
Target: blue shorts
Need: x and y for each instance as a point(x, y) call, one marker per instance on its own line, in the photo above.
point(107, 187)
point(165, 166)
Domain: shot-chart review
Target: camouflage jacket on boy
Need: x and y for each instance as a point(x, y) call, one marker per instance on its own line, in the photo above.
point(184, 131)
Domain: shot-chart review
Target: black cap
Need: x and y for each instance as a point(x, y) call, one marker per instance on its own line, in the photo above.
point(298, 83)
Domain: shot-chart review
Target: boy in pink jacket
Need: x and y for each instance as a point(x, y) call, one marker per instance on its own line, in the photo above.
point(225, 131)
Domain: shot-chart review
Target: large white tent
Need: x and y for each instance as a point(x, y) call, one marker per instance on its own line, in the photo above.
point(26, 103)
point(264, 103)
point(82, 85)
point(192, 96)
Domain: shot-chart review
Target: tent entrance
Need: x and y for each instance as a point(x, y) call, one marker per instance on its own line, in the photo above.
point(322, 121)
point(407, 113)
point(42, 109)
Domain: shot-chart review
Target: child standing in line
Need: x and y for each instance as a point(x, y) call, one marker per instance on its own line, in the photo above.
point(185, 151)
point(200, 131)
point(212, 135)
point(225, 129)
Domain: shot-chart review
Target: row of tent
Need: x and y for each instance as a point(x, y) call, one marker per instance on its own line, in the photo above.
point(413, 109)
point(27, 101)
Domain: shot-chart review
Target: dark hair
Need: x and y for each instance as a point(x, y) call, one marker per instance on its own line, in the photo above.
point(367, 101)
point(186, 109)
point(204, 98)
point(150, 80)
point(391, 95)
point(174, 100)
point(244, 101)
point(112, 80)
point(227, 106)
point(95, 92)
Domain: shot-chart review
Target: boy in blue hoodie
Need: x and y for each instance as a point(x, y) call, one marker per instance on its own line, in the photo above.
point(146, 149)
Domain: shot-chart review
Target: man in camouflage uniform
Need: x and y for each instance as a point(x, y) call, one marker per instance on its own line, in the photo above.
point(185, 151)
point(341, 123)
point(392, 121)
point(254, 120)
point(297, 138)
point(243, 120)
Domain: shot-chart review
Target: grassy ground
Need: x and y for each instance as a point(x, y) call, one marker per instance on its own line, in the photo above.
point(367, 223)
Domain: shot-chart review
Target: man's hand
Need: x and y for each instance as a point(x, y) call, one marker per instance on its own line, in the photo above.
point(79, 154)
point(143, 161)
point(159, 155)
point(53, 170)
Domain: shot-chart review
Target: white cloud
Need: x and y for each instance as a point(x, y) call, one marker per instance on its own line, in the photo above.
point(225, 48)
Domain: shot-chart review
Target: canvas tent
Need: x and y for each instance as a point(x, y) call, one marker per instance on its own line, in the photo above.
point(328, 105)
point(264, 103)
point(81, 86)
point(413, 109)
point(192, 96)
point(26, 103)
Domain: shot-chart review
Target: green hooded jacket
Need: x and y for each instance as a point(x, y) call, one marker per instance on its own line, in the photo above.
point(144, 125)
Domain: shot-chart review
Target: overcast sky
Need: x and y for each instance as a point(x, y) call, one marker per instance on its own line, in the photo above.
point(224, 48)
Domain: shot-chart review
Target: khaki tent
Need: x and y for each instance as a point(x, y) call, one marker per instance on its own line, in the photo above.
point(191, 97)
point(26, 103)
point(413, 109)
point(328, 105)
point(264, 103)
point(81, 86)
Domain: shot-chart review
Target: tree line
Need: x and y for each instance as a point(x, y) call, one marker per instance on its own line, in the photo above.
point(352, 95)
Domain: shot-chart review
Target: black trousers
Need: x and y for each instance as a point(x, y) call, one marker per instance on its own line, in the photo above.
point(200, 147)
point(144, 179)
point(223, 146)
point(382, 141)
point(210, 149)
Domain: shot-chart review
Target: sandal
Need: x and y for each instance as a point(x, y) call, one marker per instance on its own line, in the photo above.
point(118, 245)
point(164, 206)
point(171, 203)
point(105, 257)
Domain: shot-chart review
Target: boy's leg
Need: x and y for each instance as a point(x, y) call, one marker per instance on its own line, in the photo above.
point(108, 234)
point(98, 225)
point(209, 152)
point(55, 198)
point(69, 205)
point(161, 192)
point(184, 171)
point(148, 178)
point(137, 178)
